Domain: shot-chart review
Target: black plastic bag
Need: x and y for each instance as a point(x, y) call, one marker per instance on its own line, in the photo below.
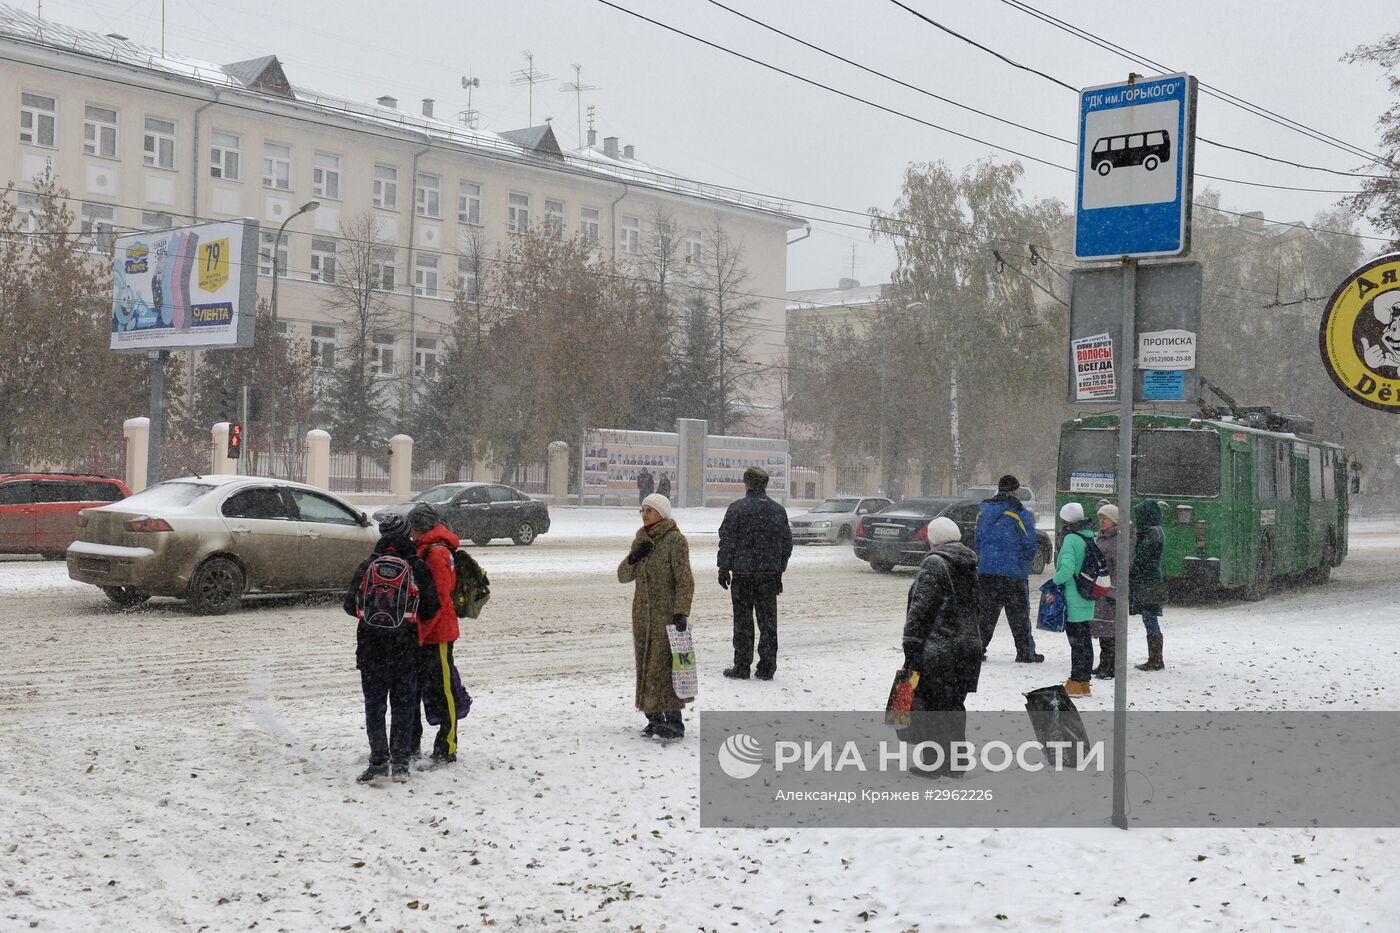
point(1055, 718)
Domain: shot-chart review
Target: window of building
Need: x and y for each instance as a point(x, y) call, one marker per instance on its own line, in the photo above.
point(382, 353)
point(664, 234)
point(467, 280)
point(325, 176)
point(158, 144)
point(425, 276)
point(322, 260)
point(323, 345)
point(386, 187)
point(156, 220)
point(518, 213)
point(554, 216)
point(265, 254)
point(427, 196)
point(425, 356)
point(694, 247)
point(97, 221)
point(277, 166)
point(382, 263)
point(30, 210)
point(100, 131)
point(224, 156)
point(469, 202)
point(631, 235)
point(38, 120)
point(588, 225)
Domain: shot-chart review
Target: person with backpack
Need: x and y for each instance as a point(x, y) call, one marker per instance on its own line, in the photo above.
point(1006, 546)
point(1069, 564)
point(942, 643)
point(1104, 625)
point(659, 564)
point(1146, 587)
point(438, 680)
point(390, 590)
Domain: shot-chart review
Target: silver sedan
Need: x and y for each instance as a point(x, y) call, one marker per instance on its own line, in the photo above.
point(834, 521)
point(209, 540)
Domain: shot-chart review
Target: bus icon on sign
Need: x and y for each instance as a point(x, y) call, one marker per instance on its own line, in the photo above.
point(1146, 149)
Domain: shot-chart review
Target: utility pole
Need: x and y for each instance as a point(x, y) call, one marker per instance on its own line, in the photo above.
point(272, 395)
point(469, 116)
point(577, 87)
point(529, 76)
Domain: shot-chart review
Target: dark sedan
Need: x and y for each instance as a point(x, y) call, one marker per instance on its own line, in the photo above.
point(898, 535)
point(481, 512)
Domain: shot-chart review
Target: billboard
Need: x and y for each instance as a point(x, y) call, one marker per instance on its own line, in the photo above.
point(185, 288)
point(612, 460)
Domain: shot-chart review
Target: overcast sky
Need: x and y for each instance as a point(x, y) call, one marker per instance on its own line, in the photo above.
point(707, 115)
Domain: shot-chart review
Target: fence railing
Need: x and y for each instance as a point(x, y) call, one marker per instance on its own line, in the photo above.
point(359, 471)
point(528, 477)
point(431, 471)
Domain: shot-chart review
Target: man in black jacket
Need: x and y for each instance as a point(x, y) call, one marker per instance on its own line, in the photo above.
point(755, 543)
point(388, 657)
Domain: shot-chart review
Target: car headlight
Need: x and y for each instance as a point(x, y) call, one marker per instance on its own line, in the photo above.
point(823, 525)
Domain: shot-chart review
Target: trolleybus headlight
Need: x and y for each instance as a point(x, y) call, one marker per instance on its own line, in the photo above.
point(1185, 514)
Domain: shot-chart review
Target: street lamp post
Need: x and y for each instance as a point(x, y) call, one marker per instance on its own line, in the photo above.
point(272, 396)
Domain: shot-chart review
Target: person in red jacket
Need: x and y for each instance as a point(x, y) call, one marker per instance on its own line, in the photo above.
point(438, 681)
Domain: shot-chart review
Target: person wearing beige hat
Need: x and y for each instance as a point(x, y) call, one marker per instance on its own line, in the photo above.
point(1103, 625)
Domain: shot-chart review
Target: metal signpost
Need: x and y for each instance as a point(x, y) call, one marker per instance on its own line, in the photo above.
point(1133, 200)
point(186, 288)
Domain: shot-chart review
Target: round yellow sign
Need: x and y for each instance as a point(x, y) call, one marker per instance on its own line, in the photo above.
point(1360, 334)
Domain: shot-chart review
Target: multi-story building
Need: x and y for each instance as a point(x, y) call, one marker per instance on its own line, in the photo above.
point(143, 141)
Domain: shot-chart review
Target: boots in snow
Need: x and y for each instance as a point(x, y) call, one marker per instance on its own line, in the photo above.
point(1106, 658)
point(1154, 654)
point(398, 772)
point(375, 774)
point(1077, 688)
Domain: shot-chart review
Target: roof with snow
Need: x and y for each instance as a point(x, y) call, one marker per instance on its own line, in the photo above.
point(264, 78)
point(849, 296)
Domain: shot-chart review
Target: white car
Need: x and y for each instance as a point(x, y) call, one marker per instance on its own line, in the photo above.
point(211, 539)
point(834, 521)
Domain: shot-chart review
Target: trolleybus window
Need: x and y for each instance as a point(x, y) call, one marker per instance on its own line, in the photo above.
point(1177, 463)
point(1087, 451)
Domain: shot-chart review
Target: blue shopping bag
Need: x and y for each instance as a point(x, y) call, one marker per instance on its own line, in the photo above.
point(1053, 612)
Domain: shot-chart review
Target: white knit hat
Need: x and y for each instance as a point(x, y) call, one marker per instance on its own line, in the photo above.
point(1072, 512)
point(942, 531)
point(659, 502)
point(1110, 511)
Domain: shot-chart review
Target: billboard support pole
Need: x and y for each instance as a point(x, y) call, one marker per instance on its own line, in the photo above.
point(1126, 388)
point(156, 358)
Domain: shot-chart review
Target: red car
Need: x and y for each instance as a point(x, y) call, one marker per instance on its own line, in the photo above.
point(39, 511)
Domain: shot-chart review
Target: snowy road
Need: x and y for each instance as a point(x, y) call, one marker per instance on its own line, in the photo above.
point(162, 771)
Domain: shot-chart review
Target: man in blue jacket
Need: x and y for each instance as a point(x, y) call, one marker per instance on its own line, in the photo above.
point(1005, 549)
point(755, 543)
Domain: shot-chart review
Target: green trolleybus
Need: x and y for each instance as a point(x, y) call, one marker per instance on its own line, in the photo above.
point(1243, 503)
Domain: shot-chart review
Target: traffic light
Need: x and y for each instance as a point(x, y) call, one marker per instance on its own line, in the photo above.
point(235, 440)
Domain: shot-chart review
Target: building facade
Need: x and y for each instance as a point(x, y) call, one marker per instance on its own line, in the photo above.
point(143, 140)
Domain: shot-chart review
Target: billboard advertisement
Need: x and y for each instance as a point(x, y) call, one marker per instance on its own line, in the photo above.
point(724, 470)
point(185, 288)
point(612, 460)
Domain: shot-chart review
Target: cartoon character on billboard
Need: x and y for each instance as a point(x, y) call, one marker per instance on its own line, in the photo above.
point(1381, 349)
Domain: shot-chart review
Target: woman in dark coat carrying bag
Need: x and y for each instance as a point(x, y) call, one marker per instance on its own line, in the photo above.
point(943, 643)
point(1147, 591)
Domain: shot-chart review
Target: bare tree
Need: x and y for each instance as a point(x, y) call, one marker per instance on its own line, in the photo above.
point(724, 286)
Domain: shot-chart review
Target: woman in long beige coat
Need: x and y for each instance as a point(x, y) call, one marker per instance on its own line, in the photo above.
point(659, 563)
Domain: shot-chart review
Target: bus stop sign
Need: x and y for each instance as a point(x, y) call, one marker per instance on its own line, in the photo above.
point(1136, 150)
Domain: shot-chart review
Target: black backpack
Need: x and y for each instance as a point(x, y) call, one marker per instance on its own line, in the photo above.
point(472, 588)
point(388, 594)
point(1092, 580)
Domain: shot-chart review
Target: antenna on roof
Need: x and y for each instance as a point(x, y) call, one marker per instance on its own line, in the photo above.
point(577, 87)
point(528, 75)
point(469, 116)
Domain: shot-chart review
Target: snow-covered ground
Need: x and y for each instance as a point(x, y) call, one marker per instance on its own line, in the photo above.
point(163, 771)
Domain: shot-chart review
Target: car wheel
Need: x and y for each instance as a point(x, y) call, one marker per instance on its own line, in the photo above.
point(525, 534)
point(1150, 163)
point(845, 535)
point(1038, 565)
point(481, 542)
point(1103, 168)
point(125, 597)
point(881, 566)
point(216, 587)
point(53, 555)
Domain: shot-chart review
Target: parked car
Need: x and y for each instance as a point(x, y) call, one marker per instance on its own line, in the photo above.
point(39, 511)
point(480, 512)
point(210, 540)
point(898, 535)
point(834, 521)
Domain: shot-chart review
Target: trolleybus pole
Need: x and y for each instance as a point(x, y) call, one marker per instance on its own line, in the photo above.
point(1127, 370)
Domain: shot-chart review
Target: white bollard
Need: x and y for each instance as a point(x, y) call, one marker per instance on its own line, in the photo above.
point(400, 467)
point(137, 433)
point(219, 462)
point(557, 471)
point(318, 459)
